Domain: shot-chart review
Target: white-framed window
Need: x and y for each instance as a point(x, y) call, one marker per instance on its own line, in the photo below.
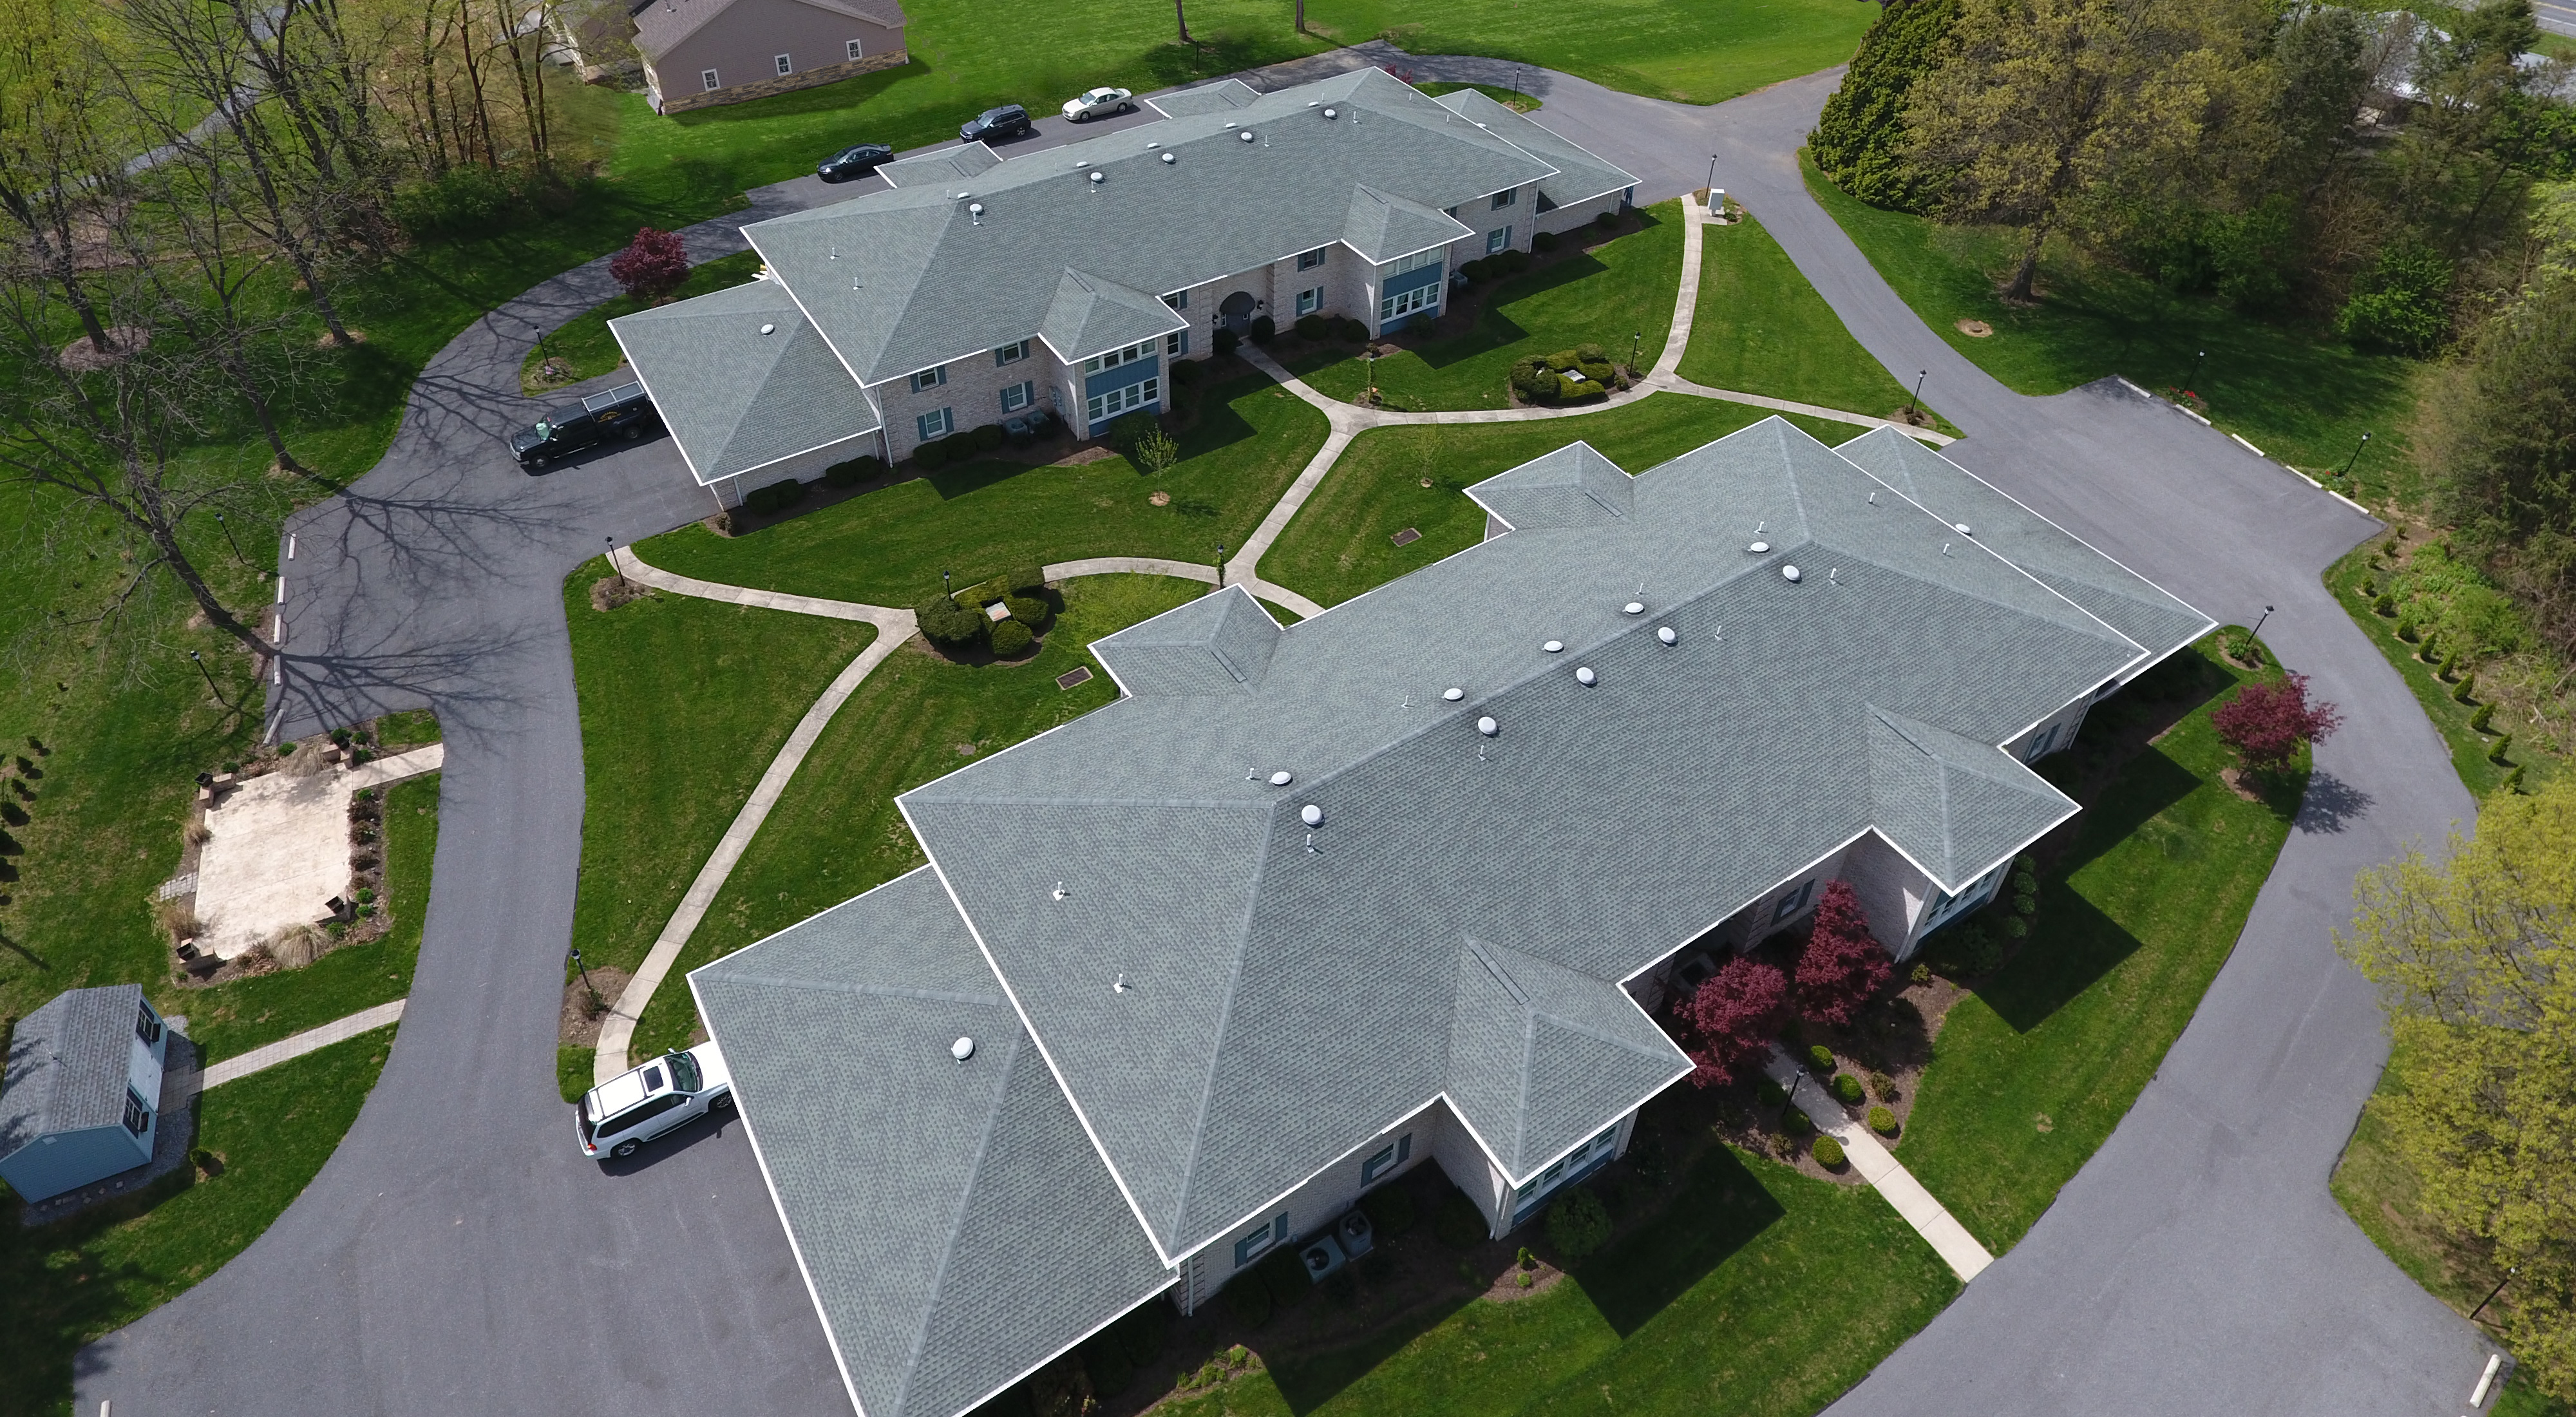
point(1178, 300)
point(937, 423)
point(1421, 297)
point(708, 78)
point(1793, 902)
point(1116, 357)
point(138, 1115)
point(1496, 240)
point(930, 378)
point(1504, 198)
point(1254, 1245)
point(786, 65)
point(1176, 344)
point(1308, 260)
point(1418, 260)
point(1126, 400)
point(1011, 353)
point(1386, 1159)
point(1310, 301)
point(855, 51)
point(1019, 396)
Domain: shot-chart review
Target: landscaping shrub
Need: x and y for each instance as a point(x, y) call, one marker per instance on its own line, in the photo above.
point(2461, 692)
point(2266, 723)
point(1011, 638)
point(2478, 721)
point(2240, 645)
point(1769, 1093)
point(1249, 1301)
point(852, 472)
point(1828, 1153)
point(1843, 964)
point(1224, 341)
point(2025, 882)
point(988, 438)
point(1027, 579)
point(777, 496)
point(1594, 362)
point(1458, 1224)
point(652, 265)
point(1284, 1275)
point(1352, 331)
point(931, 456)
point(2014, 927)
point(2399, 303)
point(1310, 327)
point(1846, 1088)
point(1797, 1123)
point(1027, 610)
point(1511, 263)
point(1573, 390)
point(1543, 241)
point(2025, 905)
point(1130, 428)
point(1821, 1058)
point(1392, 1210)
point(1535, 382)
point(946, 623)
point(1606, 220)
point(1186, 373)
point(1577, 1225)
point(1882, 1121)
point(1728, 1023)
point(2406, 628)
point(1110, 1368)
point(1144, 1332)
point(1881, 1086)
point(2495, 750)
point(1476, 271)
point(1264, 329)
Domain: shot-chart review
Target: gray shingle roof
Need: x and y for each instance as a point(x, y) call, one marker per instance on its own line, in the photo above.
point(1222, 96)
point(1091, 313)
point(956, 1227)
point(734, 398)
point(1383, 226)
point(1539, 1053)
point(1953, 804)
point(1294, 990)
point(67, 1064)
point(902, 280)
point(1580, 176)
point(2125, 600)
point(948, 165)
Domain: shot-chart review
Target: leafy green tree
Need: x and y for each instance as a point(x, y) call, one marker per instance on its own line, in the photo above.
point(2501, 437)
point(1859, 139)
point(2401, 303)
point(2475, 959)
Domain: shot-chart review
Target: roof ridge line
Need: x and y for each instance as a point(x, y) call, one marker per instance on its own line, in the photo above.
point(957, 1221)
point(1224, 1023)
point(886, 991)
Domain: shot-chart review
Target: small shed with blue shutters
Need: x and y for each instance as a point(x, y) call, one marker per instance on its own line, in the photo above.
point(80, 1094)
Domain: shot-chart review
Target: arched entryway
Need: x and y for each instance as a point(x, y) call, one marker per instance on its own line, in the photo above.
point(1235, 311)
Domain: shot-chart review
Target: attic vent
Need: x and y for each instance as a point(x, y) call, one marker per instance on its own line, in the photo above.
point(962, 1049)
point(1759, 547)
point(1586, 677)
point(766, 328)
point(1231, 125)
point(1488, 727)
point(1453, 695)
point(1311, 815)
point(1281, 779)
point(1635, 607)
point(1961, 528)
point(1788, 573)
point(1099, 177)
point(975, 210)
point(1665, 633)
point(1247, 135)
point(1167, 157)
point(1332, 113)
point(1554, 646)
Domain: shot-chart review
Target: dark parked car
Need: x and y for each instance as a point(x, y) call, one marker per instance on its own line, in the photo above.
point(995, 124)
point(623, 412)
point(850, 164)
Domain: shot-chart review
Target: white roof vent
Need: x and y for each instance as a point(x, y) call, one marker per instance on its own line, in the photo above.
point(1332, 113)
point(1231, 125)
point(1759, 547)
point(766, 328)
point(1961, 528)
point(1788, 573)
point(1453, 695)
point(962, 1049)
point(1281, 779)
point(1247, 135)
point(1665, 633)
point(1167, 157)
point(1554, 646)
point(1635, 607)
point(1487, 726)
point(1311, 815)
point(1586, 677)
point(1099, 177)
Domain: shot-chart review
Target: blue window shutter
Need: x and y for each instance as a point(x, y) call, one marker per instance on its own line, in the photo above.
point(1403, 1148)
point(1279, 1228)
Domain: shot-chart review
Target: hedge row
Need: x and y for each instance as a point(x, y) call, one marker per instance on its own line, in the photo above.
point(1567, 376)
point(1496, 266)
point(958, 447)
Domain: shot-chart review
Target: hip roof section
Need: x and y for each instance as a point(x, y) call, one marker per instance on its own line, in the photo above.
point(1580, 176)
point(736, 398)
point(1235, 996)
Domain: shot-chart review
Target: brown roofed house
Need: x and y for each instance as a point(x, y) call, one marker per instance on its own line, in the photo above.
point(703, 52)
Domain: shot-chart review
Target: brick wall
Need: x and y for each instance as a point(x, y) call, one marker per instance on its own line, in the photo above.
point(763, 88)
point(973, 394)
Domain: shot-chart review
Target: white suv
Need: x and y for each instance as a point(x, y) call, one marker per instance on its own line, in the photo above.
point(665, 1094)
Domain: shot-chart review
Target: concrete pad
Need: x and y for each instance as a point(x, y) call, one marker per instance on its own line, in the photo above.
point(277, 847)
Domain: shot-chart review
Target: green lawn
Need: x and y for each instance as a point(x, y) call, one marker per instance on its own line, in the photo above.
point(835, 832)
point(2299, 394)
point(1705, 52)
point(683, 704)
point(67, 1283)
point(981, 519)
point(1339, 546)
point(237, 1017)
point(2450, 717)
point(2031, 1073)
point(584, 344)
point(1624, 289)
point(1760, 328)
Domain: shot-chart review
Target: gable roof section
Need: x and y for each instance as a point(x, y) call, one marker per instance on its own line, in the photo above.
point(2123, 599)
point(1223, 96)
point(1382, 226)
point(1953, 804)
point(1091, 314)
point(735, 399)
point(661, 25)
point(1573, 486)
point(1580, 176)
point(962, 163)
point(1536, 1051)
point(1291, 990)
point(67, 1064)
point(901, 280)
point(954, 1224)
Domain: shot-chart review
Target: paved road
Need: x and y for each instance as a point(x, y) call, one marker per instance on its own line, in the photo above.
point(457, 1256)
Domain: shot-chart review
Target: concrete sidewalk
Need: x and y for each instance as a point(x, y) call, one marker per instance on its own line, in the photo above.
point(1948, 1238)
point(338, 1030)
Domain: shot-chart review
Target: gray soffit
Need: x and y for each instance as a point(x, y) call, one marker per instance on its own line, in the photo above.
point(948, 165)
point(1293, 989)
point(956, 1227)
point(1383, 226)
point(2125, 600)
point(1223, 96)
point(1580, 176)
point(1090, 314)
point(736, 399)
point(902, 280)
point(67, 1065)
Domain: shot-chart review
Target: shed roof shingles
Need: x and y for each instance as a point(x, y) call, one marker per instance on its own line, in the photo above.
point(67, 1065)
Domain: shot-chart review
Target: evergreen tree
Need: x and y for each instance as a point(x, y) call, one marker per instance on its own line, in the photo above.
point(1856, 142)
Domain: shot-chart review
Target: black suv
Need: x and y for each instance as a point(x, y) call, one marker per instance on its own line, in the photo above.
point(994, 124)
point(852, 163)
point(623, 412)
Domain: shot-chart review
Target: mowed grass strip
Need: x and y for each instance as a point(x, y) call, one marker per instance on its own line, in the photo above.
point(1705, 52)
point(2031, 1073)
point(1760, 328)
point(65, 1284)
point(1341, 542)
point(2298, 392)
point(1618, 296)
point(683, 704)
point(835, 831)
point(584, 344)
point(981, 519)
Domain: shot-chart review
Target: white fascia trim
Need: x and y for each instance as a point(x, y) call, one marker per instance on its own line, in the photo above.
point(1086, 1337)
point(692, 463)
point(1195, 88)
point(1074, 361)
point(868, 432)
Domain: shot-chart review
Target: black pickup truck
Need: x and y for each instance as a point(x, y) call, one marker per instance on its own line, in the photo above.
point(623, 412)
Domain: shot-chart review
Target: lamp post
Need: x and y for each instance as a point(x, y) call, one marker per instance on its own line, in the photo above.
point(587, 987)
point(2356, 456)
point(1712, 177)
point(1919, 376)
point(2191, 385)
point(228, 537)
point(2259, 619)
point(944, 588)
point(1220, 565)
point(200, 661)
point(1792, 1100)
point(1372, 373)
point(2500, 1284)
point(1636, 343)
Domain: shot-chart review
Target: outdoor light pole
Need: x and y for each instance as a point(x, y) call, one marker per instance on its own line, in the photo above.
point(1792, 1101)
point(2500, 1284)
point(1919, 376)
point(2259, 619)
point(2190, 385)
point(2356, 456)
point(228, 537)
point(584, 971)
point(200, 662)
point(1220, 565)
point(1712, 174)
point(1636, 342)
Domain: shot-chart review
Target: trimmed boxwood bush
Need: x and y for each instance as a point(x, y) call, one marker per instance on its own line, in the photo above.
point(988, 438)
point(1248, 1299)
point(1027, 610)
point(1127, 428)
point(1577, 1225)
point(1847, 1088)
point(931, 456)
point(1352, 330)
point(776, 496)
point(1459, 1224)
point(945, 622)
point(1027, 579)
point(1882, 1121)
point(1186, 373)
point(1828, 1153)
point(2015, 927)
point(1769, 1093)
point(1797, 1123)
point(1821, 1058)
point(1284, 1275)
point(1224, 341)
point(1264, 329)
point(1606, 220)
point(1310, 327)
point(1391, 1210)
point(1011, 638)
point(853, 472)
point(1543, 241)
point(1110, 1368)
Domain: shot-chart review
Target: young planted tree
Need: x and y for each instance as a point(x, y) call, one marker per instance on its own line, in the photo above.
point(651, 266)
point(2266, 723)
point(1844, 965)
point(1731, 1020)
point(2475, 959)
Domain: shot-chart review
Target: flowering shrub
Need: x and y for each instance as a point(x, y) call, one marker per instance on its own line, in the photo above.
point(2266, 723)
point(1844, 964)
point(1732, 1019)
point(653, 265)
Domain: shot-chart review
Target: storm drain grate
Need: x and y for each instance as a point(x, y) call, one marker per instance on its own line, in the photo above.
point(1406, 537)
point(1075, 677)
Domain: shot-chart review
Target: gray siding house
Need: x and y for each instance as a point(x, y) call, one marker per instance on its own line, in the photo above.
point(1071, 279)
point(1306, 907)
point(80, 1098)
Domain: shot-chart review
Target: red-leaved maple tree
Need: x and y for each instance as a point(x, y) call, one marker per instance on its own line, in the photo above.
point(1844, 964)
point(652, 266)
point(1732, 1019)
point(2266, 723)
